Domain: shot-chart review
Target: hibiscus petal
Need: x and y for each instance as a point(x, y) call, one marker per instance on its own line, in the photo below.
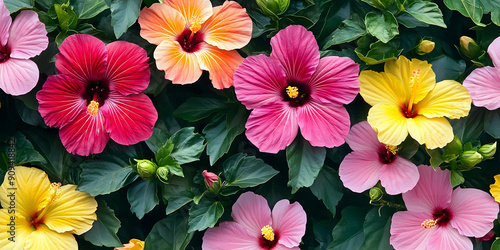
point(229, 27)
point(289, 221)
point(495, 188)
point(192, 8)
point(73, 211)
point(5, 22)
point(433, 190)
point(335, 80)
point(18, 76)
point(407, 232)
point(360, 170)
point(28, 37)
point(297, 51)
point(128, 68)
point(363, 137)
point(323, 124)
point(434, 132)
point(229, 235)
point(281, 247)
point(82, 56)
point(484, 88)
point(85, 135)
point(258, 81)
point(19, 232)
point(44, 238)
point(448, 98)
point(180, 67)
point(448, 238)
point(398, 176)
point(129, 119)
point(160, 22)
point(494, 52)
point(220, 63)
point(272, 127)
point(389, 122)
point(473, 211)
point(381, 88)
point(252, 212)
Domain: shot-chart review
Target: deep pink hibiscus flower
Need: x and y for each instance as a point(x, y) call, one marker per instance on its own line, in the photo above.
point(439, 217)
point(256, 227)
point(98, 94)
point(294, 88)
point(20, 40)
point(372, 161)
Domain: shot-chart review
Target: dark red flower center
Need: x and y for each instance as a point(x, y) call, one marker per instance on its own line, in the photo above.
point(296, 94)
point(267, 244)
point(409, 113)
point(387, 154)
point(97, 91)
point(442, 216)
point(4, 54)
point(189, 41)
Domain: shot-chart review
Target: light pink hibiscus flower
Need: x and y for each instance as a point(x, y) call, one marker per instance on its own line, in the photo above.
point(98, 94)
point(484, 83)
point(372, 161)
point(294, 88)
point(255, 227)
point(20, 40)
point(439, 217)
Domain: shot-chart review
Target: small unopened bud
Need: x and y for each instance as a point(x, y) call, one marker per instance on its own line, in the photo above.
point(146, 168)
point(425, 47)
point(470, 158)
point(273, 7)
point(210, 178)
point(488, 150)
point(375, 194)
point(162, 174)
point(469, 47)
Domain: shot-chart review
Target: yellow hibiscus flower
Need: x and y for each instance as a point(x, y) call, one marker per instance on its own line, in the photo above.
point(495, 188)
point(134, 244)
point(39, 215)
point(405, 98)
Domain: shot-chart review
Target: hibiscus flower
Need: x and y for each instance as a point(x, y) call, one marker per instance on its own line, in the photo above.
point(294, 88)
point(20, 40)
point(192, 36)
point(98, 94)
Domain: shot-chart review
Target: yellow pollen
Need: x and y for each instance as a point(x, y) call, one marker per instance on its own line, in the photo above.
point(92, 108)
point(391, 148)
point(414, 84)
point(195, 24)
point(292, 92)
point(428, 224)
point(54, 194)
point(267, 232)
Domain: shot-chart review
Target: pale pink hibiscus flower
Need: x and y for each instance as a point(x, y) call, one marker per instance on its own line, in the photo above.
point(439, 217)
point(372, 161)
point(98, 94)
point(20, 40)
point(256, 227)
point(294, 88)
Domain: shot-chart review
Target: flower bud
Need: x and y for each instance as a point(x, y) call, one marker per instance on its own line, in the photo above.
point(146, 168)
point(425, 47)
point(273, 7)
point(470, 158)
point(162, 174)
point(210, 178)
point(488, 150)
point(469, 47)
point(375, 194)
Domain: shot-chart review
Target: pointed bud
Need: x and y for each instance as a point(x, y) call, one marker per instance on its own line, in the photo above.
point(375, 194)
point(470, 158)
point(162, 174)
point(146, 168)
point(488, 150)
point(425, 47)
point(469, 47)
point(273, 8)
point(210, 178)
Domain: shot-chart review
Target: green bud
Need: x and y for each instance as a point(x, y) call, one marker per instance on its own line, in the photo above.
point(273, 8)
point(488, 150)
point(146, 168)
point(469, 47)
point(375, 194)
point(470, 158)
point(425, 47)
point(162, 174)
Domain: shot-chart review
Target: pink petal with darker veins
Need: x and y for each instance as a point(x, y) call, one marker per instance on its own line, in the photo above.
point(229, 235)
point(5, 22)
point(360, 170)
point(398, 176)
point(483, 85)
point(27, 36)
point(494, 52)
point(363, 137)
point(252, 212)
point(18, 76)
point(407, 232)
point(448, 238)
point(289, 221)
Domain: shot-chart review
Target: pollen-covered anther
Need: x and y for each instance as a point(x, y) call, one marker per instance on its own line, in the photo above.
point(54, 191)
point(392, 149)
point(292, 92)
point(195, 24)
point(92, 108)
point(267, 233)
point(428, 224)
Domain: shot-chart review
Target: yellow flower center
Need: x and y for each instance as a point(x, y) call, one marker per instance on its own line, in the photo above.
point(195, 24)
point(267, 232)
point(93, 108)
point(54, 194)
point(292, 92)
point(428, 224)
point(392, 149)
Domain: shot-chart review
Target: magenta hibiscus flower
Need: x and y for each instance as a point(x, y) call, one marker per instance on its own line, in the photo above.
point(98, 94)
point(439, 217)
point(294, 88)
point(20, 40)
point(256, 227)
point(372, 161)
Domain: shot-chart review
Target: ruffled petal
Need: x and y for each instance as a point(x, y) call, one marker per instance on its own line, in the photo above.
point(297, 51)
point(363, 137)
point(229, 27)
point(160, 22)
point(192, 9)
point(389, 122)
point(28, 36)
point(494, 52)
point(483, 85)
point(495, 188)
point(129, 119)
point(289, 221)
point(448, 98)
point(381, 88)
point(360, 170)
point(17, 234)
point(433, 191)
point(473, 211)
point(220, 63)
point(18, 76)
point(335, 80)
point(323, 124)
point(272, 127)
point(282, 247)
point(180, 67)
point(128, 69)
point(5, 22)
point(434, 132)
point(407, 232)
point(60, 100)
point(398, 176)
point(259, 80)
point(229, 235)
point(44, 239)
point(448, 238)
point(82, 56)
point(252, 212)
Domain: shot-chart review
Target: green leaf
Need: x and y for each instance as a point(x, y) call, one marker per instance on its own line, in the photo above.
point(157, 140)
point(491, 121)
point(377, 228)
point(408, 148)
point(142, 197)
point(427, 12)
point(246, 171)
point(66, 16)
point(50, 24)
point(380, 52)
point(164, 152)
point(26, 153)
point(103, 177)
point(468, 8)
point(410, 21)
point(469, 128)
point(15, 5)
point(124, 13)
point(350, 30)
point(86, 9)
point(348, 233)
point(495, 245)
point(169, 233)
point(304, 162)
point(179, 191)
point(196, 108)
point(88, 28)
point(188, 145)
point(62, 35)
point(447, 68)
point(204, 215)
point(383, 26)
point(104, 229)
point(329, 188)
point(172, 165)
point(435, 155)
point(456, 178)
